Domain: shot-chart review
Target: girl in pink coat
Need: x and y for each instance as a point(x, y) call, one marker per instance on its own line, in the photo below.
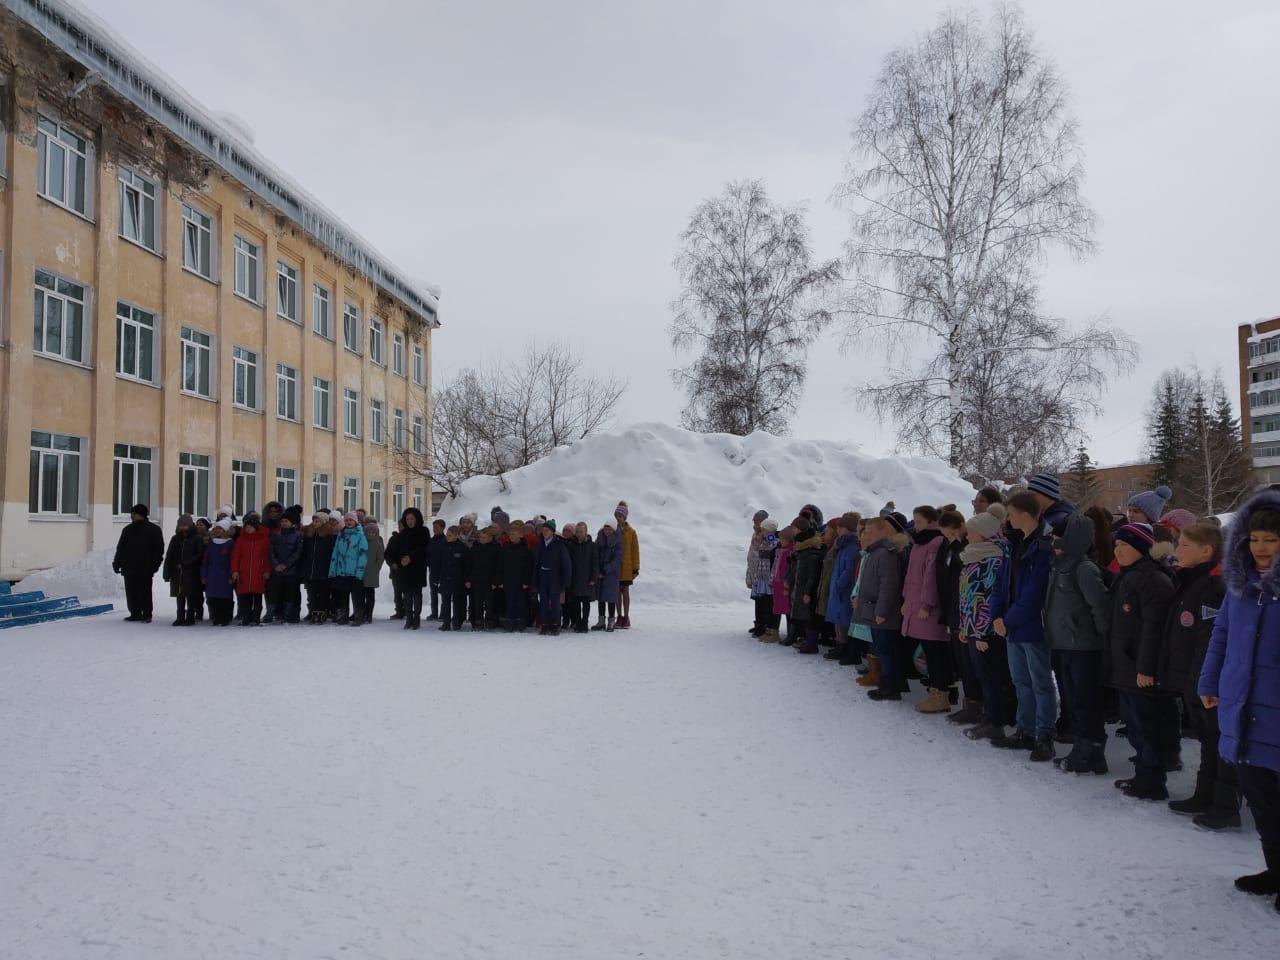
point(921, 616)
point(781, 598)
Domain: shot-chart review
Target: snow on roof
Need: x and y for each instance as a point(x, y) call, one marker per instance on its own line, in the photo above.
point(83, 36)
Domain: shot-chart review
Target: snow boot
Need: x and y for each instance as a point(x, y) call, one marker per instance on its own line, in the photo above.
point(600, 625)
point(610, 625)
point(1092, 760)
point(935, 702)
point(852, 658)
point(807, 647)
point(1267, 882)
point(1201, 801)
point(882, 694)
point(971, 712)
point(872, 677)
point(835, 653)
point(1018, 740)
point(1224, 809)
point(985, 731)
point(1043, 751)
point(1141, 788)
point(769, 636)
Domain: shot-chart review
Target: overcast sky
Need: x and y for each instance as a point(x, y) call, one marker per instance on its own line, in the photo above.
point(537, 160)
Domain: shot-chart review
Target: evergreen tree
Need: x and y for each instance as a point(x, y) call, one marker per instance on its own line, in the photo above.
point(1234, 466)
point(1082, 478)
point(1167, 431)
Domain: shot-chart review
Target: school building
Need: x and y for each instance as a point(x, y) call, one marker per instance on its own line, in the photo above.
point(181, 325)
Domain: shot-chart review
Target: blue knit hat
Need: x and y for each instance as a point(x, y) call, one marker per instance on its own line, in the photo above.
point(1151, 502)
point(1045, 484)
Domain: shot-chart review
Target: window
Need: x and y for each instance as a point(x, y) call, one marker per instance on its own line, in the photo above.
point(194, 476)
point(321, 315)
point(137, 208)
point(351, 327)
point(350, 494)
point(62, 165)
point(244, 486)
point(350, 412)
point(397, 429)
point(197, 359)
point(130, 477)
point(419, 365)
point(245, 386)
point(247, 282)
point(397, 501)
point(55, 475)
point(135, 343)
point(320, 492)
point(417, 498)
point(321, 398)
point(59, 321)
point(377, 421)
point(375, 499)
point(397, 353)
point(286, 291)
point(197, 241)
point(286, 392)
point(377, 336)
point(287, 485)
point(419, 434)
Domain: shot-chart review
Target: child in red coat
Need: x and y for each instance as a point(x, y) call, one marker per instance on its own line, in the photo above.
point(250, 568)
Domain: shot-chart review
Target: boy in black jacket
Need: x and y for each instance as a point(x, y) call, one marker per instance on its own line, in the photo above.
point(1192, 615)
point(453, 581)
point(484, 570)
point(803, 577)
point(437, 554)
point(1139, 608)
point(517, 578)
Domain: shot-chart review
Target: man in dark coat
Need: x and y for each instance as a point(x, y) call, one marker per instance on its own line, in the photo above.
point(517, 578)
point(407, 555)
point(555, 570)
point(139, 554)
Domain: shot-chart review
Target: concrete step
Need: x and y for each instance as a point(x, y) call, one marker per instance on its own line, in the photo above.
point(5, 589)
point(43, 605)
point(11, 598)
point(49, 616)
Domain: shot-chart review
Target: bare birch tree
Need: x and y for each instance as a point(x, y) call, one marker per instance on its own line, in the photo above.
point(966, 171)
point(750, 306)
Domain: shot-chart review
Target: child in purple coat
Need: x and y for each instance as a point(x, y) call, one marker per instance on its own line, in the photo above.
point(215, 573)
point(609, 548)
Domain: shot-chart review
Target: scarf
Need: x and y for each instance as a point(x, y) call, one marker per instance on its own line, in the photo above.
point(980, 550)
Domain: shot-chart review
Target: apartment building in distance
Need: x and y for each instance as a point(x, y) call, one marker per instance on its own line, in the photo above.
point(1259, 350)
point(181, 325)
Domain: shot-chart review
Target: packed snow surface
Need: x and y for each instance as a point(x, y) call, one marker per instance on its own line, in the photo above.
point(678, 791)
point(692, 495)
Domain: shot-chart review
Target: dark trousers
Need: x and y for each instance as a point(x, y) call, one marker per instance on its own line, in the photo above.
point(1147, 717)
point(285, 597)
point(549, 607)
point(318, 600)
point(397, 587)
point(581, 608)
point(884, 643)
point(137, 595)
point(937, 657)
point(1080, 675)
point(992, 669)
point(189, 606)
point(453, 604)
point(250, 608)
point(348, 596)
point(1214, 771)
point(517, 612)
point(968, 675)
point(1261, 787)
point(411, 600)
point(766, 619)
point(370, 596)
point(435, 600)
point(484, 606)
point(220, 609)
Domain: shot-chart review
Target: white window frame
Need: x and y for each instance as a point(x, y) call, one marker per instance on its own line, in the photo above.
point(196, 352)
point(351, 327)
point(419, 501)
point(199, 468)
point(56, 139)
point(377, 341)
point(375, 500)
point(419, 434)
point(63, 467)
point(351, 413)
point(377, 421)
point(419, 365)
point(287, 292)
point(197, 243)
point(397, 501)
point(138, 195)
point(244, 486)
point(143, 324)
point(287, 485)
point(322, 403)
point(247, 281)
point(321, 492)
point(397, 353)
point(131, 460)
point(245, 364)
point(49, 289)
point(287, 392)
point(397, 429)
point(350, 493)
point(322, 311)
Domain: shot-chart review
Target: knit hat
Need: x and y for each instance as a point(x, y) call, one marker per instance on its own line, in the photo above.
point(140, 509)
point(813, 512)
point(848, 521)
point(987, 525)
point(351, 515)
point(500, 517)
point(226, 511)
point(762, 515)
point(896, 520)
point(186, 521)
point(1136, 535)
point(1151, 502)
point(371, 523)
point(621, 510)
point(1045, 484)
point(224, 525)
point(550, 525)
point(335, 516)
point(252, 517)
point(769, 526)
point(469, 516)
point(1178, 519)
point(204, 520)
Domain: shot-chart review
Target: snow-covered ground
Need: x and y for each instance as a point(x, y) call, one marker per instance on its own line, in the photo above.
point(679, 791)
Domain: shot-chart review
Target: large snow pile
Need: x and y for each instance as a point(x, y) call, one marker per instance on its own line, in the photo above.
point(692, 495)
point(88, 577)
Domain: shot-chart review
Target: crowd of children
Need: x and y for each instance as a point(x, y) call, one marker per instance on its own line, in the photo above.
point(1054, 623)
point(508, 574)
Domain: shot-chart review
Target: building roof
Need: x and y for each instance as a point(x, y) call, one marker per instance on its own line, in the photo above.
point(84, 37)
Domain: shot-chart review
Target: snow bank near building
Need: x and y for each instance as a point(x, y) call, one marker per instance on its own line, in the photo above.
point(692, 495)
point(88, 577)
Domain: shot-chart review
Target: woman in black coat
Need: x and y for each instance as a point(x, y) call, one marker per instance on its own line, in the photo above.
point(182, 570)
point(408, 554)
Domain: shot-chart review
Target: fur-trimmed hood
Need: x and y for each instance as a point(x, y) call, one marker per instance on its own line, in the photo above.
point(1237, 562)
point(811, 543)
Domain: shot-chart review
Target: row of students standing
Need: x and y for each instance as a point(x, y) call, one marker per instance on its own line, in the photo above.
point(1054, 622)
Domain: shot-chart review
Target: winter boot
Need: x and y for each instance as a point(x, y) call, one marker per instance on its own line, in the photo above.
point(835, 653)
point(1224, 809)
point(1199, 802)
point(1018, 740)
point(1143, 788)
point(1078, 748)
point(935, 702)
point(807, 647)
point(971, 712)
point(1043, 750)
point(1093, 760)
point(872, 677)
point(985, 731)
point(610, 625)
point(851, 657)
point(1266, 883)
point(600, 625)
point(769, 636)
point(881, 693)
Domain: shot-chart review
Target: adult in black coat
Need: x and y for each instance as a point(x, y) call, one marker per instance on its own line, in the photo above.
point(139, 554)
point(407, 553)
point(517, 578)
point(586, 574)
point(803, 576)
point(182, 570)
